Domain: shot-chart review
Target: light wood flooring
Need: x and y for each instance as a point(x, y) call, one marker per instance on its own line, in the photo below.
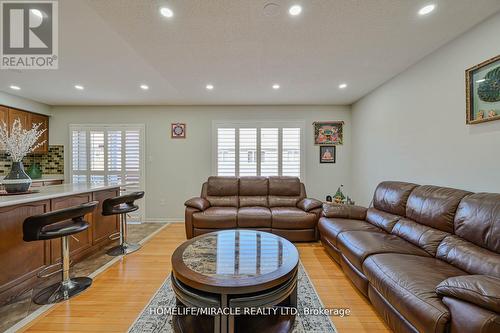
point(119, 294)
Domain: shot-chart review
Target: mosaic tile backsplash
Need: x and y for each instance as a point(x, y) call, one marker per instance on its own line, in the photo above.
point(51, 163)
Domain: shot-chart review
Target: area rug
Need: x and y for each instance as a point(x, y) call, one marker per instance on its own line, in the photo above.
point(151, 321)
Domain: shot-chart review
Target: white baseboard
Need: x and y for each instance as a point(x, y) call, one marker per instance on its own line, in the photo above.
point(165, 220)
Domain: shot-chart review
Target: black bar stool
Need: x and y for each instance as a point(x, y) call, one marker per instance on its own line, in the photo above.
point(62, 224)
point(122, 205)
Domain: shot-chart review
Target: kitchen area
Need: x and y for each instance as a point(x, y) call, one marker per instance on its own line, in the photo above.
point(32, 183)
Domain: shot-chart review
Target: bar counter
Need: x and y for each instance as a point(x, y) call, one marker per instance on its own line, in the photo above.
point(21, 261)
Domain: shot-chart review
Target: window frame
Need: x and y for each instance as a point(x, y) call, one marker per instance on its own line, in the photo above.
point(237, 124)
point(110, 127)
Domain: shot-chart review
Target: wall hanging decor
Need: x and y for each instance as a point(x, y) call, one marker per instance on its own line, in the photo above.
point(327, 154)
point(328, 132)
point(178, 131)
point(483, 91)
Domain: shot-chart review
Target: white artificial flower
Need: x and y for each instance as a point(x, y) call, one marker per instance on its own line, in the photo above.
point(19, 142)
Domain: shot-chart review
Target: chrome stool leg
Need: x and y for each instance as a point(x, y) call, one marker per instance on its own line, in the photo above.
point(124, 247)
point(68, 287)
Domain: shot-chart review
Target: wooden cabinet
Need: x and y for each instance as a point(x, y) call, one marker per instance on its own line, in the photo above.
point(104, 226)
point(4, 115)
point(27, 119)
point(23, 116)
point(44, 121)
point(20, 261)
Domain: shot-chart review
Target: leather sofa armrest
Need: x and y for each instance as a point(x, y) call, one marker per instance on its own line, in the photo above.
point(308, 204)
point(344, 211)
point(197, 203)
point(481, 290)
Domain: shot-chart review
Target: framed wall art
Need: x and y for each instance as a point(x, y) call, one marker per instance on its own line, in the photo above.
point(178, 131)
point(328, 132)
point(327, 154)
point(483, 91)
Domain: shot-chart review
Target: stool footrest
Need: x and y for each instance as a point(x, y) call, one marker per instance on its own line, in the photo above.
point(42, 274)
point(115, 236)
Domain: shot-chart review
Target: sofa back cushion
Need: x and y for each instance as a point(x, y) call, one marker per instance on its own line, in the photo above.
point(253, 191)
point(478, 220)
point(222, 191)
point(391, 197)
point(285, 191)
point(468, 256)
point(434, 206)
point(382, 219)
point(426, 238)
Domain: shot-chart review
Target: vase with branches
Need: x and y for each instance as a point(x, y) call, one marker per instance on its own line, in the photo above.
point(17, 143)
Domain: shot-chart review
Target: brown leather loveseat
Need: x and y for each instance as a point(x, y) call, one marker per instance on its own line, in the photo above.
point(426, 256)
point(275, 204)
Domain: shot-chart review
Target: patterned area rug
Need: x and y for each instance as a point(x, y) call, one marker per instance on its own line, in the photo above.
point(151, 322)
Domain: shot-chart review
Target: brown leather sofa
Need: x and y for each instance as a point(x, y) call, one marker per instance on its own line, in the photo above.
point(275, 204)
point(427, 257)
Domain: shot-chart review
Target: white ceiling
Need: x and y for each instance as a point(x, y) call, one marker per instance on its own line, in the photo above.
point(112, 46)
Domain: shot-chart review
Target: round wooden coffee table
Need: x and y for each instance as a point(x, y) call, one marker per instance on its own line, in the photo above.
point(247, 278)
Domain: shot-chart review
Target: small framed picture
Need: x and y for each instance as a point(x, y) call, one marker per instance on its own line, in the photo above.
point(327, 154)
point(178, 131)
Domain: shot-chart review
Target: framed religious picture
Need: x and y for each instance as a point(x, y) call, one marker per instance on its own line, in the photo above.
point(178, 131)
point(327, 154)
point(483, 91)
point(328, 132)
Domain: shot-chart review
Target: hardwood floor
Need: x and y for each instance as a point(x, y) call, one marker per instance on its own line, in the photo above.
point(119, 294)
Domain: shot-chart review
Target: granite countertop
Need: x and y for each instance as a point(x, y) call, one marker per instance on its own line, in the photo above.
point(54, 191)
point(45, 178)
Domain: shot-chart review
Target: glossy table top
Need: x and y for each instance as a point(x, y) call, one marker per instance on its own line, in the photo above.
point(234, 259)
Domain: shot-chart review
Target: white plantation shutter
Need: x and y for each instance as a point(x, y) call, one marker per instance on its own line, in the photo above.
point(226, 148)
point(269, 165)
point(291, 152)
point(251, 149)
point(248, 151)
point(109, 154)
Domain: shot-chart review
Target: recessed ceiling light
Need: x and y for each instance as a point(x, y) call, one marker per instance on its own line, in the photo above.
point(144, 87)
point(79, 87)
point(342, 85)
point(209, 87)
point(295, 10)
point(167, 12)
point(276, 86)
point(426, 9)
point(15, 87)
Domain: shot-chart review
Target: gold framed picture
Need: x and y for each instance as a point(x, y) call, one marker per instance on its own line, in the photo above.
point(483, 91)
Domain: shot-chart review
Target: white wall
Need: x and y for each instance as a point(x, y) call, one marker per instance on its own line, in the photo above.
point(176, 168)
point(23, 103)
point(413, 128)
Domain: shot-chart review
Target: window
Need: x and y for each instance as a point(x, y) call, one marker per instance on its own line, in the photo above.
point(251, 149)
point(108, 154)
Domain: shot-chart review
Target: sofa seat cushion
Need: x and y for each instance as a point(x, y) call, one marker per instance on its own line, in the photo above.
point(253, 217)
point(408, 283)
point(356, 246)
point(216, 218)
point(292, 218)
point(330, 228)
